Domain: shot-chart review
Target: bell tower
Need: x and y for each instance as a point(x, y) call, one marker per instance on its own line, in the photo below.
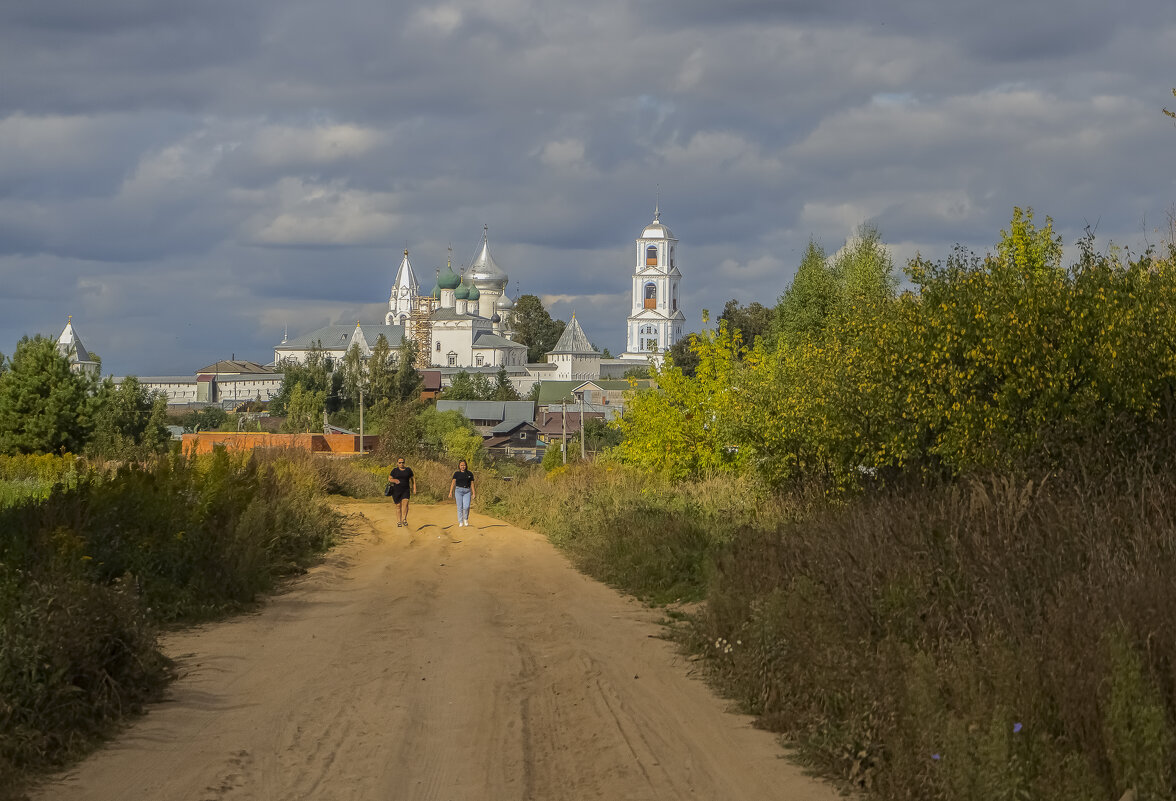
point(655, 319)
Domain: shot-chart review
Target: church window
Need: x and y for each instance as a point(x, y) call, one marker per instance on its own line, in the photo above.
point(651, 256)
point(438, 347)
point(452, 359)
point(651, 296)
point(647, 339)
point(403, 317)
point(478, 360)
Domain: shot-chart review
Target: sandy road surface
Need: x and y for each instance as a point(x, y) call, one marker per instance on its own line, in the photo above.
point(412, 667)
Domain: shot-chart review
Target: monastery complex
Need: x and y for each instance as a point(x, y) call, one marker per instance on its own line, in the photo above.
point(462, 323)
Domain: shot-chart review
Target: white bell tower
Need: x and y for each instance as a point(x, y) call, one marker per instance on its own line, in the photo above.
point(655, 322)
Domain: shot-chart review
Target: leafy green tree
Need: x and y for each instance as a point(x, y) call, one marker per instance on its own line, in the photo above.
point(806, 305)
point(408, 379)
point(130, 422)
point(316, 374)
point(534, 327)
point(683, 356)
point(44, 406)
point(461, 387)
point(503, 389)
point(304, 411)
point(864, 270)
point(435, 426)
point(381, 376)
point(210, 418)
point(752, 321)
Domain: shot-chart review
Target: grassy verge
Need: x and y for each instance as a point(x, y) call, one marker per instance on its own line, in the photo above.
point(91, 568)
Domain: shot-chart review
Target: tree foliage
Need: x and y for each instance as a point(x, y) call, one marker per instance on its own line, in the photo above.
point(44, 406)
point(751, 321)
point(315, 375)
point(534, 327)
point(129, 422)
point(987, 361)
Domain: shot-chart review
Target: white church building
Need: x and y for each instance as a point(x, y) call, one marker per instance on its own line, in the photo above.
point(655, 321)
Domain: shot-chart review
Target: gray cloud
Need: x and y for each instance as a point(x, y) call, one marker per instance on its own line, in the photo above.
point(187, 179)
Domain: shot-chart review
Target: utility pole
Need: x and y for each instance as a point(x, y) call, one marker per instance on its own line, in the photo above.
point(563, 441)
point(361, 415)
point(583, 451)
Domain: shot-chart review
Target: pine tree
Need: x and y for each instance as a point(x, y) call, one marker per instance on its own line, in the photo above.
point(44, 406)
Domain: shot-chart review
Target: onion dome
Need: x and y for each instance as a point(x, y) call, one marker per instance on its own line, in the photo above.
point(655, 230)
point(495, 318)
point(436, 293)
point(449, 279)
point(462, 292)
point(474, 293)
point(483, 271)
point(504, 303)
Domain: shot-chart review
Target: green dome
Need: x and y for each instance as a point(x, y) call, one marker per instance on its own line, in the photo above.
point(436, 293)
point(462, 292)
point(448, 279)
point(474, 293)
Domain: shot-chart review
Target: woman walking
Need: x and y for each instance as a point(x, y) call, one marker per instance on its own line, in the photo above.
point(403, 484)
point(462, 488)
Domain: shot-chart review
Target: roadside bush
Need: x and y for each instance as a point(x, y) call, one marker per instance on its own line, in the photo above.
point(997, 638)
point(87, 572)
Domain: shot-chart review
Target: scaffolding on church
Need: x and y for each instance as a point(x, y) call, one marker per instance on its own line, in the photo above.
point(420, 329)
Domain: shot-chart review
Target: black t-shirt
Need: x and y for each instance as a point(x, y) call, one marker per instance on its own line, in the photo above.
point(464, 478)
point(404, 476)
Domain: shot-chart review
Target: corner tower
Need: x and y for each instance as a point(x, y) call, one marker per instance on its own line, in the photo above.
point(655, 321)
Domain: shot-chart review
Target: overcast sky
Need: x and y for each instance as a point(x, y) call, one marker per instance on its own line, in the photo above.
point(186, 179)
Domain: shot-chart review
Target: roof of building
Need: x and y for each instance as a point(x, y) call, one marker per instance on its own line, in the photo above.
point(488, 339)
point(448, 279)
point(156, 379)
point(70, 344)
point(483, 270)
point(226, 379)
point(234, 367)
point(618, 383)
point(656, 230)
point(405, 277)
point(337, 337)
point(573, 340)
point(507, 426)
point(451, 314)
point(554, 422)
point(490, 410)
point(431, 380)
point(556, 392)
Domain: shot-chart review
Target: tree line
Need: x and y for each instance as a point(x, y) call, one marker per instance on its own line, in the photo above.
point(978, 362)
point(45, 407)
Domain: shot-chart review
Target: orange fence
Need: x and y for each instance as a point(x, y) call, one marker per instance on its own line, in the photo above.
point(205, 441)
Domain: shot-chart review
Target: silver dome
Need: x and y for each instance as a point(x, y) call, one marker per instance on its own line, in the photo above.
point(504, 303)
point(483, 271)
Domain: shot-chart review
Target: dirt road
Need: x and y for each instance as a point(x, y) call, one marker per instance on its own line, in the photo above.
point(409, 666)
